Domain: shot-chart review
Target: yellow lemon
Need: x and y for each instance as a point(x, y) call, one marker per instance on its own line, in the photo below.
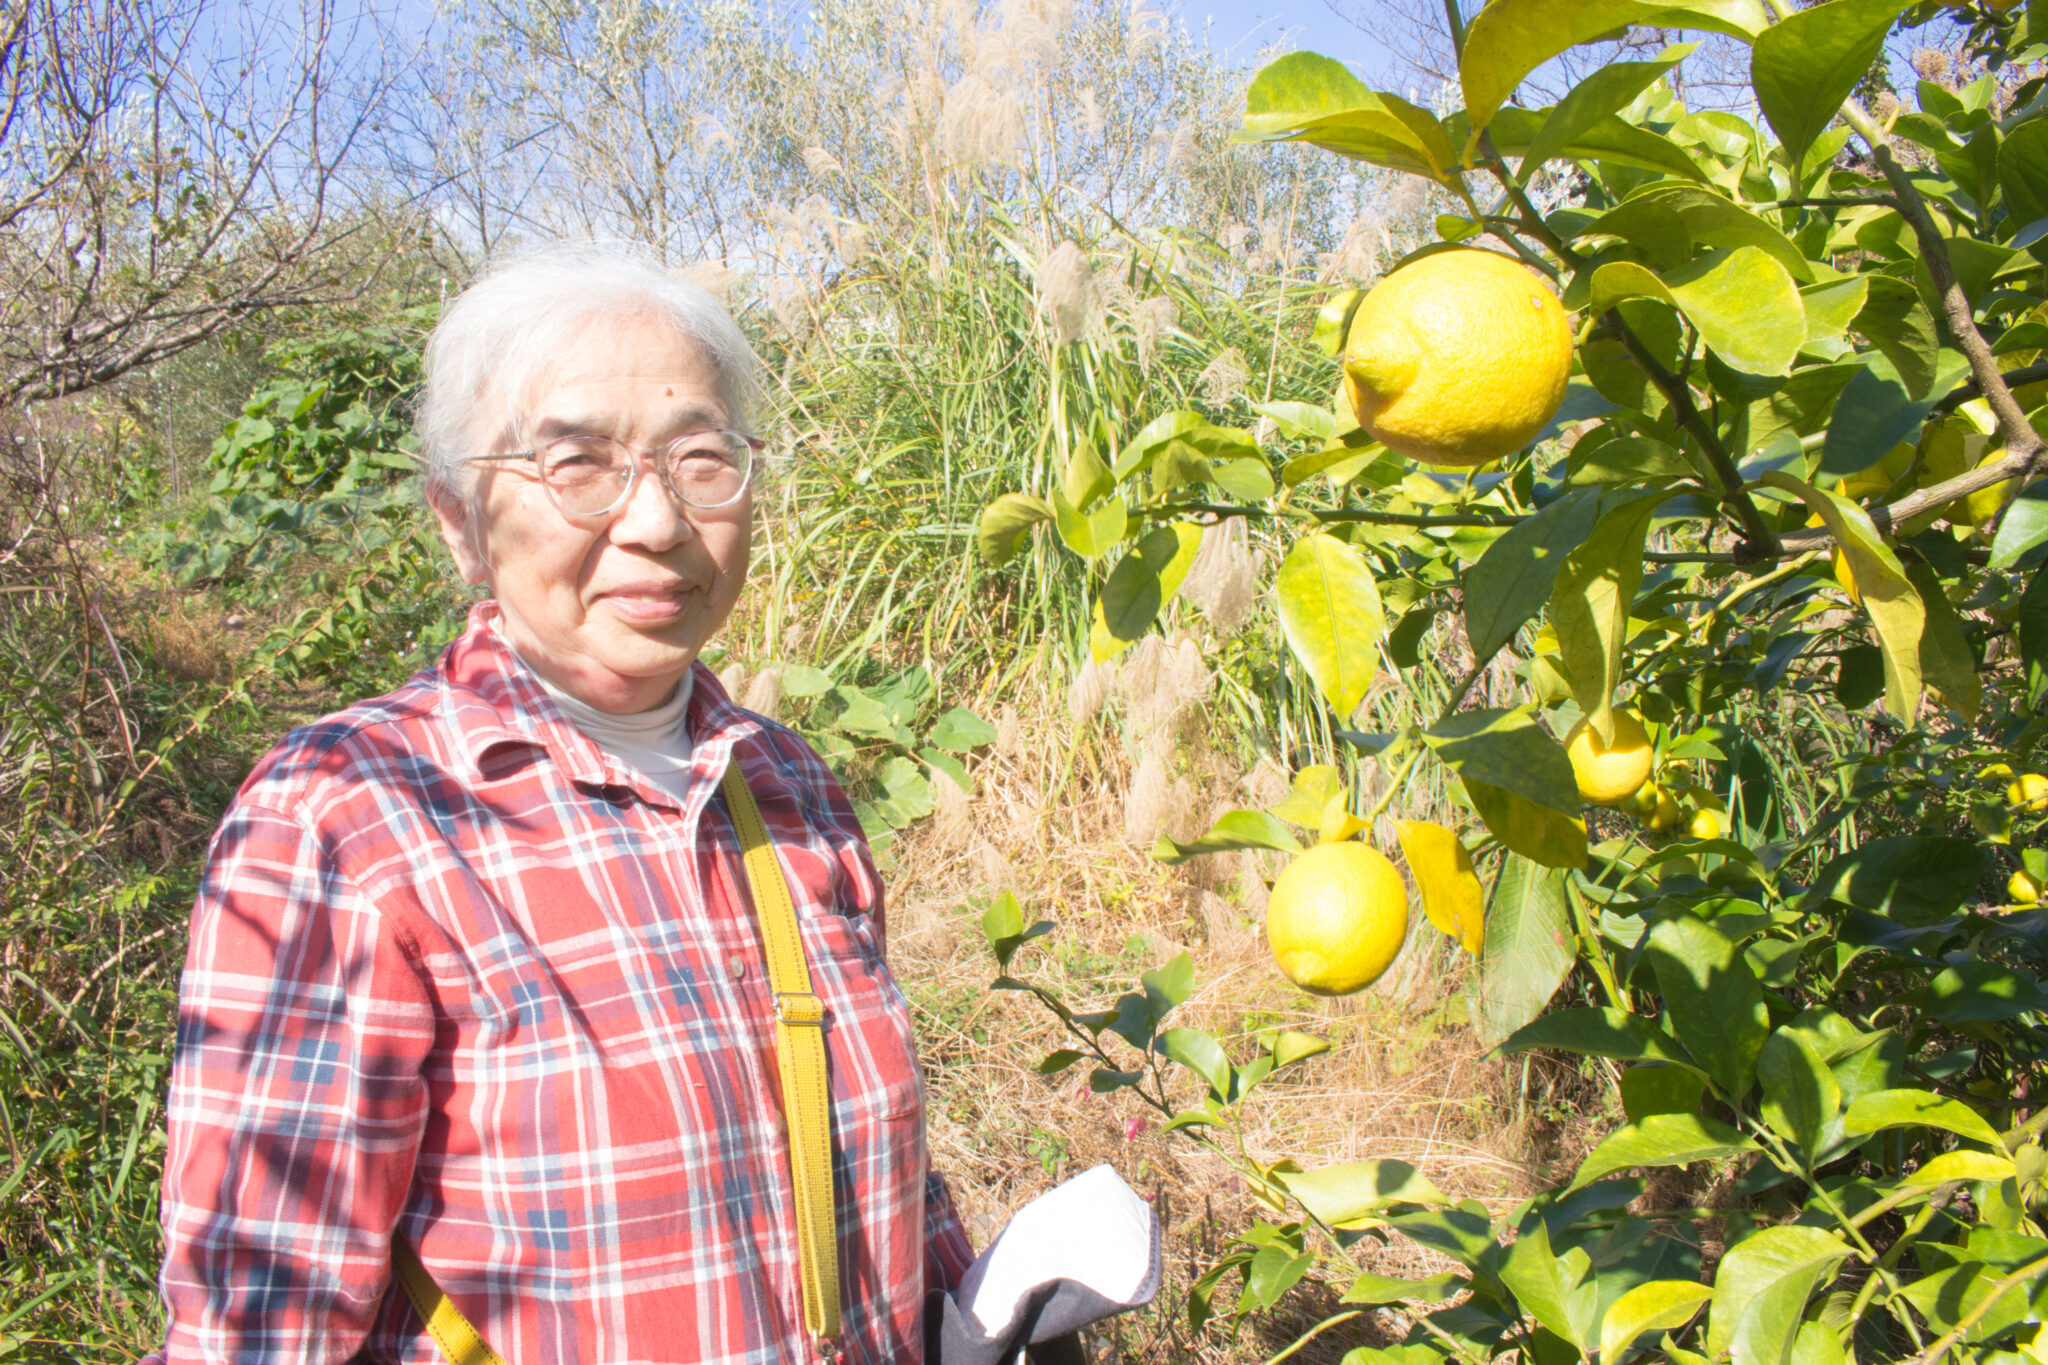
point(1338, 916)
point(2023, 888)
point(1705, 824)
point(1878, 479)
point(2028, 791)
point(1982, 505)
point(1609, 774)
point(1458, 358)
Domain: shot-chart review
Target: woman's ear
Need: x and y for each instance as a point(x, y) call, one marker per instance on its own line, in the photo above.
point(458, 517)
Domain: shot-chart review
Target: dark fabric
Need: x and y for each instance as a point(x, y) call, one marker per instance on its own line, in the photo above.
point(1046, 1321)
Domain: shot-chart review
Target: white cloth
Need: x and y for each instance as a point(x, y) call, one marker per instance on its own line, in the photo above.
point(654, 742)
point(1094, 1230)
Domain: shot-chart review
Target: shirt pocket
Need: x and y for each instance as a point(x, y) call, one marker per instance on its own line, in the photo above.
point(871, 1047)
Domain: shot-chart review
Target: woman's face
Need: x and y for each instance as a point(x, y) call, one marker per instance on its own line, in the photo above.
point(613, 610)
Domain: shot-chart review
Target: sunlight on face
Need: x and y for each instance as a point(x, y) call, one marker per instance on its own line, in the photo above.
point(613, 610)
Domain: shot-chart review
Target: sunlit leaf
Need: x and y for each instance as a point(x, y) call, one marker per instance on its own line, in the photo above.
point(1451, 894)
point(1804, 66)
point(1142, 582)
point(1330, 613)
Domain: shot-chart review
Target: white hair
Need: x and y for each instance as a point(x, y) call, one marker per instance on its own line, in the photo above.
point(497, 335)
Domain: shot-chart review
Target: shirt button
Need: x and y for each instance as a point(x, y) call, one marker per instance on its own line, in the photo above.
point(737, 966)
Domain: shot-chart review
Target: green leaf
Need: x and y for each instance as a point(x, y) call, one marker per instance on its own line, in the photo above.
point(1142, 582)
point(909, 793)
point(939, 761)
point(1513, 579)
point(1964, 1163)
point(1057, 1061)
point(1669, 219)
point(1800, 1093)
point(1661, 1140)
point(1946, 660)
point(1647, 1090)
point(1756, 1263)
point(1589, 606)
point(1002, 921)
point(1899, 325)
point(2024, 529)
point(1832, 305)
point(959, 730)
point(1292, 1045)
point(1330, 613)
point(1599, 1033)
point(1744, 303)
point(1087, 477)
point(1608, 90)
point(1916, 879)
point(2033, 632)
point(999, 533)
point(1375, 1289)
point(1659, 1306)
point(1626, 459)
point(1304, 97)
point(1804, 66)
point(1310, 795)
point(1511, 38)
point(2023, 172)
point(1551, 1287)
point(1771, 1320)
point(1610, 139)
point(1234, 829)
point(1528, 949)
point(1302, 421)
point(1089, 534)
point(801, 680)
point(1154, 437)
point(1876, 412)
point(1713, 997)
point(1200, 1053)
point(1918, 1109)
point(1888, 598)
point(1520, 781)
point(1357, 1191)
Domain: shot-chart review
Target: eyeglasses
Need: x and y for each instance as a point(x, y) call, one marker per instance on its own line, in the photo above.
point(593, 476)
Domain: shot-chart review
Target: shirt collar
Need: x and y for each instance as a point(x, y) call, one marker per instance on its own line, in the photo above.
point(493, 699)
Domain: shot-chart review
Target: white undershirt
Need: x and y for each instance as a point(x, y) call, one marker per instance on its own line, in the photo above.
point(654, 742)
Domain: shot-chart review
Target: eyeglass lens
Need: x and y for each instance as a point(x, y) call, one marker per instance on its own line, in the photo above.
point(589, 475)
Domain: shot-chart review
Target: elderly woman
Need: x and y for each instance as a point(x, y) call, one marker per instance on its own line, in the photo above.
point(480, 983)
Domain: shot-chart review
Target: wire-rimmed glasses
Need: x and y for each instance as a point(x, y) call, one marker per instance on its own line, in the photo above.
point(593, 476)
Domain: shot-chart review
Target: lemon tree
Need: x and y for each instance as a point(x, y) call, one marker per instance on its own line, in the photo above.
point(1749, 805)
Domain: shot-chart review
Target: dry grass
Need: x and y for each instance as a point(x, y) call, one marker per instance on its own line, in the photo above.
point(1405, 1080)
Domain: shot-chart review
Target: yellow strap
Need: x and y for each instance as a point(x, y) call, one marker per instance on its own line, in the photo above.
point(461, 1343)
point(800, 1053)
point(806, 1100)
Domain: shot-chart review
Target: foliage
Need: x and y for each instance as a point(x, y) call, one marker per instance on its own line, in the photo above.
point(1807, 970)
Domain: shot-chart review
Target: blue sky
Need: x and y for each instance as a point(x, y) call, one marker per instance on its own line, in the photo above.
point(1238, 29)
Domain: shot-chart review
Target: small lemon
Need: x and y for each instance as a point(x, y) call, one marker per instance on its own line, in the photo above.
point(1705, 824)
point(1458, 358)
point(1337, 919)
point(2023, 888)
point(2028, 791)
point(1608, 774)
point(1664, 818)
point(1985, 503)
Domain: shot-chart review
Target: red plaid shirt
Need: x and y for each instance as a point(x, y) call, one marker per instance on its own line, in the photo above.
point(456, 970)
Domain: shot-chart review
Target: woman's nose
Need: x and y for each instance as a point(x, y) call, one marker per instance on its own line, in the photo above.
point(652, 517)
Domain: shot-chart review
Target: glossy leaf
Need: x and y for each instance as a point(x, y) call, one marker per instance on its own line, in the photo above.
point(1304, 97)
point(1200, 1053)
point(1916, 879)
point(1918, 1108)
point(1513, 578)
point(1089, 534)
point(1142, 582)
point(1232, 830)
point(1804, 66)
point(1694, 215)
point(1087, 477)
point(1800, 1093)
point(999, 532)
point(1661, 1140)
point(1947, 663)
point(1310, 795)
point(1713, 997)
point(1551, 1287)
point(1596, 1032)
point(1357, 1191)
point(2023, 171)
point(1832, 305)
point(1604, 92)
point(1659, 1306)
point(1330, 613)
point(1589, 606)
point(1743, 302)
point(1520, 781)
point(1511, 38)
point(1877, 411)
point(1451, 894)
point(1610, 139)
point(2024, 529)
point(1888, 598)
point(1761, 1260)
point(1964, 1163)
point(1528, 948)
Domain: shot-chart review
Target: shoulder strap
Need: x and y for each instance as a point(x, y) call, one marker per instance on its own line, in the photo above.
point(460, 1343)
point(806, 1100)
point(800, 1054)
